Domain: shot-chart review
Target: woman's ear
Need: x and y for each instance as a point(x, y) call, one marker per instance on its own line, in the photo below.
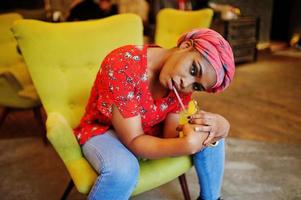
point(186, 44)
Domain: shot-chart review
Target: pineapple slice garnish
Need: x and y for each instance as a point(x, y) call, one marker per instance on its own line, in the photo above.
point(192, 109)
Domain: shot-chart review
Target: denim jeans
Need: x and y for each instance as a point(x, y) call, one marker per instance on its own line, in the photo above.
point(118, 168)
point(209, 166)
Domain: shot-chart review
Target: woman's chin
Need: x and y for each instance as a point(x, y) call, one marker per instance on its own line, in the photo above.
point(165, 83)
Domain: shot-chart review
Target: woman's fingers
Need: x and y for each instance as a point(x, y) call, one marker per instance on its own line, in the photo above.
point(215, 139)
point(197, 115)
point(200, 121)
point(202, 114)
point(195, 128)
point(179, 128)
point(209, 139)
point(203, 128)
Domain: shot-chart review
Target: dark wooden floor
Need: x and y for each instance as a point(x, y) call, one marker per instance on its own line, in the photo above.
point(264, 100)
point(263, 103)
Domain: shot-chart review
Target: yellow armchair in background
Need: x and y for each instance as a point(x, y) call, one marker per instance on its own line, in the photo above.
point(16, 89)
point(171, 23)
point(63, 60)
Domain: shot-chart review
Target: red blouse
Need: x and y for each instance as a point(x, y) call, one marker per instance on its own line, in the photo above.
point(123, 82)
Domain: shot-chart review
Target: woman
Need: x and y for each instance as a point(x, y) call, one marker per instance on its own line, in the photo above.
point(133, 112)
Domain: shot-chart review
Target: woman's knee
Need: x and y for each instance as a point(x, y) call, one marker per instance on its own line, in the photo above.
point(123, 169)
point(112, 160)
point(215, 151)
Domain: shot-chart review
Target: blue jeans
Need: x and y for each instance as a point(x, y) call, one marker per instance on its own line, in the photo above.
point(118, 168)
point(209, 165)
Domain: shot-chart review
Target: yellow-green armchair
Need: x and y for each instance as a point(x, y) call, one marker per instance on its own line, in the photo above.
point(171, 23)
point(63, 60)
point(16, 88)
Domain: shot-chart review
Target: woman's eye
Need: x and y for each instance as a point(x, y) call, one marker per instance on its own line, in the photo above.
point(193, 70)
point(197, 87)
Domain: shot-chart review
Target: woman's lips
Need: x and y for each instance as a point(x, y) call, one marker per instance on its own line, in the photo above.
point(175, 85)
point(169, 83)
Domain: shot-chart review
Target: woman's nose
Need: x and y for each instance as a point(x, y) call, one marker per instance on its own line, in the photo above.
point(185, 83)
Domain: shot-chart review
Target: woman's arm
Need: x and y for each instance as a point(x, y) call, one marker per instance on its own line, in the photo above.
point(170, 126)
point(130, 133)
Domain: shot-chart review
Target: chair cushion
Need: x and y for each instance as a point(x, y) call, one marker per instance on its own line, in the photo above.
point(154, 173)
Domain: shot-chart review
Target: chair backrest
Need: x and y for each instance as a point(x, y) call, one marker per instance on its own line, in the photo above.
point(64, 58)
point(8, 44)
point(171, 23)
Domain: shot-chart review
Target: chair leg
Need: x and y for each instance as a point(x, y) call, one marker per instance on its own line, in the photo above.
point(184, 187)
point(68, 190)
point(4, 115)
point(38, 116)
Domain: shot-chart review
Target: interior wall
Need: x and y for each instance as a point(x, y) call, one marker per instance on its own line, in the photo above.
point(259, 8)
point(295, 18)
point(31, 9)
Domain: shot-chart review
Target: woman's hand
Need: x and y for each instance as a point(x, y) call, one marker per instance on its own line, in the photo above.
point(214, 124)
point(194, 139)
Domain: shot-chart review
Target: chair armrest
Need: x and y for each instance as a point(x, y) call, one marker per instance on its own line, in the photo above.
point(61, 136)
point(11, 79)
point(29, 91)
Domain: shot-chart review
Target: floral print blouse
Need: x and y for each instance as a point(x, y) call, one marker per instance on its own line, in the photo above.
point(122, 81)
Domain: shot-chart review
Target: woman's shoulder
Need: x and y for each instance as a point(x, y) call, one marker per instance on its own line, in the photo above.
point(126, 50)
point(128, 60)
point(128, 56)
